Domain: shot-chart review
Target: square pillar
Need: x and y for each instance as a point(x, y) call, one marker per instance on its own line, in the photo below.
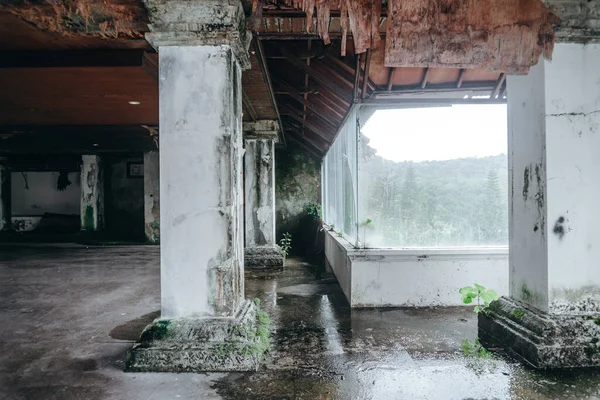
point(551, 318)
point(261, 249)
point(92, 194)
point(151, 197)
point(206, 324)
point(5, 195)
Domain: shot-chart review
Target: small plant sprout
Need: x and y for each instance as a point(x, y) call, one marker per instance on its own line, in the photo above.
point(286, 244)
point(483, 295)
point(474, 349)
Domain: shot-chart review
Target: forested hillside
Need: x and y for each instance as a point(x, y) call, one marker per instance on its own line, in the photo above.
point(461, 202)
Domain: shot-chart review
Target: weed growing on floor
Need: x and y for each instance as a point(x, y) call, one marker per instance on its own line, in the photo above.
point(484, 297)
point(474, 349)
point(286, 244)
point(481, 293)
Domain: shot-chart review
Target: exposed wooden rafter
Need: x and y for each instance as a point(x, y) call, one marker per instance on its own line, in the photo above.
point(499, 83)
point(314, 74)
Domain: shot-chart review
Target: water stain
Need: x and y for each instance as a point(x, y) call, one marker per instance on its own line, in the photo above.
point(132, 330)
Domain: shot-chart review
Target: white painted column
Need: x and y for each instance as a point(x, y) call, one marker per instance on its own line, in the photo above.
point(92, 193)
point(260, 192)
point(261, 249)
point(5, 196)
point(554, 182)
point(151, 197)
point(200, 105)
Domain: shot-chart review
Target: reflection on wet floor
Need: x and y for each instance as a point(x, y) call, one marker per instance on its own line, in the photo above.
point(324, 350)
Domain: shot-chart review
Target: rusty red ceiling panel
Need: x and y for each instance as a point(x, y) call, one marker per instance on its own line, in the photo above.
point(503, 35)
point(106, 19)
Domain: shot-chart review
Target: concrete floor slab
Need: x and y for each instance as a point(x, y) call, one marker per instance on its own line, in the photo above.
point(69, 314)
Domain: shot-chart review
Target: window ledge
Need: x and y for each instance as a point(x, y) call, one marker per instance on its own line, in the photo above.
point(421, 254)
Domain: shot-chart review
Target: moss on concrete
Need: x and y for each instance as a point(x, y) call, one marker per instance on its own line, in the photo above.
point(88, 219)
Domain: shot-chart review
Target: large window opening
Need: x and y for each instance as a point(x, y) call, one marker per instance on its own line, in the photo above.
point(430, 177)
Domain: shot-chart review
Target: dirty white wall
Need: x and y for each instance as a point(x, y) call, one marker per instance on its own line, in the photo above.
point(573, 177)
point(554, 142)
point(413, 278)
point(527, 188)
point(39, 194)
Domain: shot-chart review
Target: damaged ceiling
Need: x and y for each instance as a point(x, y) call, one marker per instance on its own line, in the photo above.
point(502, 35)
point(80, 62)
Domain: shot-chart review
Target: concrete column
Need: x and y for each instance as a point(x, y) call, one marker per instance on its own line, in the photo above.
point(5, 196)
point(206, 324)
point(92, 194)
point(554, 173)
point(261, 249)
point(151, 197)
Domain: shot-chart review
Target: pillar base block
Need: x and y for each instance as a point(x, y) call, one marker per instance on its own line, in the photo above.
point(202, 345)
point(263, 258)
point(542, 340)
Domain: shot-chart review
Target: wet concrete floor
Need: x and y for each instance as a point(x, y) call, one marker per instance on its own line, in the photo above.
point(69, 314)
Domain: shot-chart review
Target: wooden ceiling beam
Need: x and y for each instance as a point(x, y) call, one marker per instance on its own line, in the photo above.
point(79, 58)
point(264, 67)
point(293, 93)
point(461, 75)
point(322, 147)
point(319, 155)
point(248, 105)
point(366, 74)
point(390, 82)
point(317, 130)
point(425, 77)
point(347, 68)
point(314, 74)
point(150, 65)
point(499, 83)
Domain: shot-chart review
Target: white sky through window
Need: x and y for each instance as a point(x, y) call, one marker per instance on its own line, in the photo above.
point(438, 133)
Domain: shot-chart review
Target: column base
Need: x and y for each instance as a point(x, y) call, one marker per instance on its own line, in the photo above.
point(263, 257)
point(202, 345)
point(543, 340)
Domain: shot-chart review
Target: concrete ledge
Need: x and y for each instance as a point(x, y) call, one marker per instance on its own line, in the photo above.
point(200, 345)
point(413, 277)
point(540, 339)
point(263, 258)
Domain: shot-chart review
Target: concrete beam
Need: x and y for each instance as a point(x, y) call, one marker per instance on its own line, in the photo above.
point(262, 129)
point(580, 20)
point(200, 23)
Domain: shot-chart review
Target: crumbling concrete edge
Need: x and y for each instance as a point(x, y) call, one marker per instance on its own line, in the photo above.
point(203, 345)
point(264, 258)
point(542, 340)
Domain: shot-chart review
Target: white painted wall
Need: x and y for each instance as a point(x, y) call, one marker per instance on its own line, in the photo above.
point(554, 140)
point(573, 174)
point(528, 257)
point(39, 195)
point(413, 278)
point(200, 182)
point(336, 254)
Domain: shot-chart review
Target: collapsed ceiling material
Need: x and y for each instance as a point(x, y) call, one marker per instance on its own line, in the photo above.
point(105, 19)
point(359, 17)
point(501, 35)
